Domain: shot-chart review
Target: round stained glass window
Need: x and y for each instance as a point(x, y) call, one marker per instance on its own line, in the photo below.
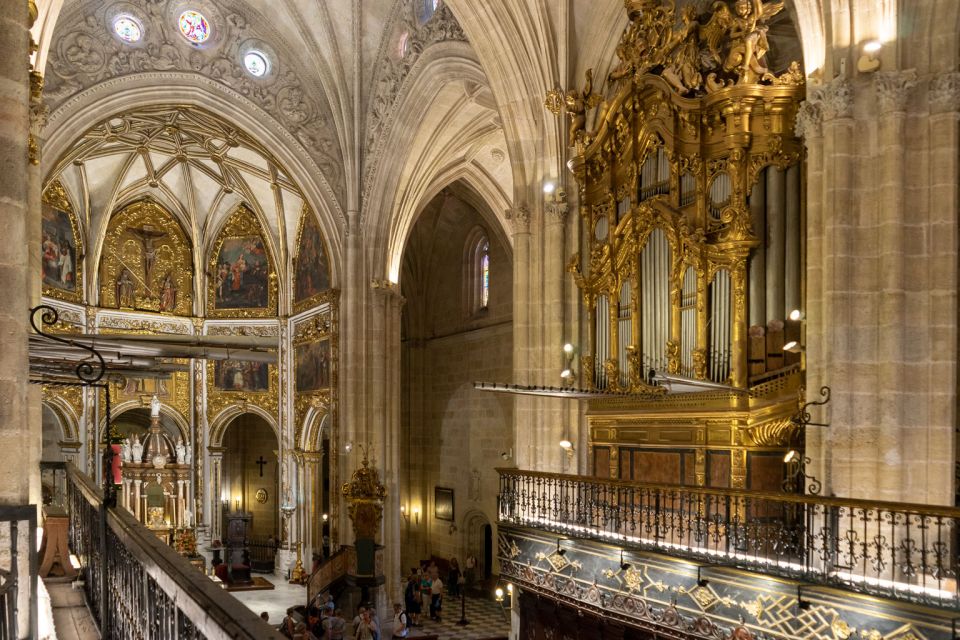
point(256, 63)
point(194, 26)
point(127, 29)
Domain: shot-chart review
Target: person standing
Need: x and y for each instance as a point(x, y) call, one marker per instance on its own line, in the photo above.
point(412, 599)
point(436, 598)
point(334, 626)
point(454, 579)
point(400, 629)
point(367, 629)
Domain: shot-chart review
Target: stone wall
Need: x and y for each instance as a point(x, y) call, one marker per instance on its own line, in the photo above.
point(452, 436)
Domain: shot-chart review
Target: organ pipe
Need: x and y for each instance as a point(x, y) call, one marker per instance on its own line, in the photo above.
point(688, 321)
point(776, 215)
point(602, 350)
point(758, 257)
point(720, 325)
point(624, 333)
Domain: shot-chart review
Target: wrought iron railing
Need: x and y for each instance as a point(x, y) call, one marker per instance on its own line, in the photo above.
point(902, 551)
point(139, 587)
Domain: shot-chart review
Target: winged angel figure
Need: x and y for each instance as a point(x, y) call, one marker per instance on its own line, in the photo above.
point(746, 28)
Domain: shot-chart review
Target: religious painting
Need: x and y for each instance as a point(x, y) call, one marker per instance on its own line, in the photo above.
point(147, 262)
point(242, 274)
point(233, 375)
point(443, 503)
point(58, 246)
point(313, 366)
point(242, 280)
point(311, 271)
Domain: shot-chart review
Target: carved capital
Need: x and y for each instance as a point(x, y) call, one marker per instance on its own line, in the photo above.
point(893, 89)
point(837, 99)
point(557, 209)
point(519, 218)
point(944, 92)
point(810, 116)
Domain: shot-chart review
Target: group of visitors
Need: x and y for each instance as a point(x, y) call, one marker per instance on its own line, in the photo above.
point(425, 586)
point(324, 621)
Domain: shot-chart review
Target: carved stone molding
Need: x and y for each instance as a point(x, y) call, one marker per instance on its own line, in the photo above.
point(85, 53)
point(837, 99)
point(557, 210)
point(393, 72)
point(519, 218)
point(810, 115)
point(944, 92)
point(893, 89)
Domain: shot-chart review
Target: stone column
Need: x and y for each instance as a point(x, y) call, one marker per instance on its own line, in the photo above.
point(15, 274)
point(944, 127)
point(556, 421)
point(793, 232)
point(896, 277)
point(526, 445)
point(216, 484)
point(386, 424)
point(136, 498)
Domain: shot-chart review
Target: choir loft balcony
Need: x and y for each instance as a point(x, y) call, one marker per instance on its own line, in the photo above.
point(688, 562)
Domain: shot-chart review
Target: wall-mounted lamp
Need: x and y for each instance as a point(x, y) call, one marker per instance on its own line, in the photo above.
point(507, 455)
point(796, 315)
point(416, 515)
point(568, 373)
point(797, 476)
point(453, 529)
point(325, 517)
point(869, 62)
point(348, 447)
point(549, 187)
point(499, 594)
point(624, 565)
point(404, 514)
point(567, 446)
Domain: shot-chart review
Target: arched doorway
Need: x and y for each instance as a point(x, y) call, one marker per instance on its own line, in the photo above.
point(251, 476)
point(53, 435)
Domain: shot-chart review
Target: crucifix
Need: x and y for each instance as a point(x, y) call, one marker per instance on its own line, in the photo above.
point(260, 462)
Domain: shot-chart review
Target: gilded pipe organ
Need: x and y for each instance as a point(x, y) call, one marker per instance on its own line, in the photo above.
point(690, 254)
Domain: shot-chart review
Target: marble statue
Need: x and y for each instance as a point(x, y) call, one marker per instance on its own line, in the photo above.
point(181, 451)
point(125, 450)
point(137, 450)
point(155, 407)
point(188, 455)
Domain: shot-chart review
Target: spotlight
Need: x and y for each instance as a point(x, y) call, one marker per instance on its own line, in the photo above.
point(795, 315)
point(566, 374)
point(560, 552)
point(790, 455)
point(348, 447)
point(566, 444)
point(568, 348)
point(793, 346)
point(499, 594)
point(872, 46)
point(623, 564)
point(510, 588)
point(325, 517)
point(701, 581)
point(869, 62)
point(549, 187)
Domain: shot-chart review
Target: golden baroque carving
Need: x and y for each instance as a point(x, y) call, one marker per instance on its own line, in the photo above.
point(699, 54)
point(365, 494)
point(147, 262)
point(58, 213)
point(242, 280)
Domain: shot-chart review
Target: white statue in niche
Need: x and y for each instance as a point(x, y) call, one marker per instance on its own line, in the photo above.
point(155, 407)
point(188, 455)
point(475, 485)
point(181, 452)
point(136, 450)
point(125, 450)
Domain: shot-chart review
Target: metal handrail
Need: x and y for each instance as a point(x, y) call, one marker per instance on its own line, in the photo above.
point(149, 585)
point(902, 551)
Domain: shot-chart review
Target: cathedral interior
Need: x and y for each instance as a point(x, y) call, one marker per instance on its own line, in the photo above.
point(630, 319)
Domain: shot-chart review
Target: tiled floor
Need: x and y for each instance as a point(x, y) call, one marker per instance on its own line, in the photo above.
point(487, 620)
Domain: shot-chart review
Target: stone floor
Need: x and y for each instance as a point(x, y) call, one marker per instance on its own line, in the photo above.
point(71, 618)
point(487, 620)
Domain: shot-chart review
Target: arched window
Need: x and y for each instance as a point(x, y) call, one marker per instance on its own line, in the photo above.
point(477, 271)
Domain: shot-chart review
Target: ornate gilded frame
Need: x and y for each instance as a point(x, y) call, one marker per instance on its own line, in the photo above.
point(56, 196)
point(242, 223)
point(318, 298)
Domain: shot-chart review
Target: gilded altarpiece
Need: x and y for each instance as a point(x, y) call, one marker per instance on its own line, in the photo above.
point(146, 262)
point(242, 384)
point(61, 248)
point(311, 270)
point(693, 118)
point(242, 279)
point(315, 353)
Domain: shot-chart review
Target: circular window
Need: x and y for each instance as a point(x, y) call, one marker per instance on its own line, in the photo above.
point(127, 28)
point(255, 63)
point(194, 26)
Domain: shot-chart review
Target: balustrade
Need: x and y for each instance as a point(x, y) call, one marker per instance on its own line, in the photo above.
point(902, 551)
point(137, 586)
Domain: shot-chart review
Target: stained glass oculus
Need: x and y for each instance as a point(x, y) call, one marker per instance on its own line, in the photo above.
point(194, 26)
point(127, 29)
point(255, 63)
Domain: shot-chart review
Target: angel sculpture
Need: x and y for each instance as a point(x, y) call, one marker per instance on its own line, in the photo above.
point(747, 29)
point(578, 103)
point(682, 71)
